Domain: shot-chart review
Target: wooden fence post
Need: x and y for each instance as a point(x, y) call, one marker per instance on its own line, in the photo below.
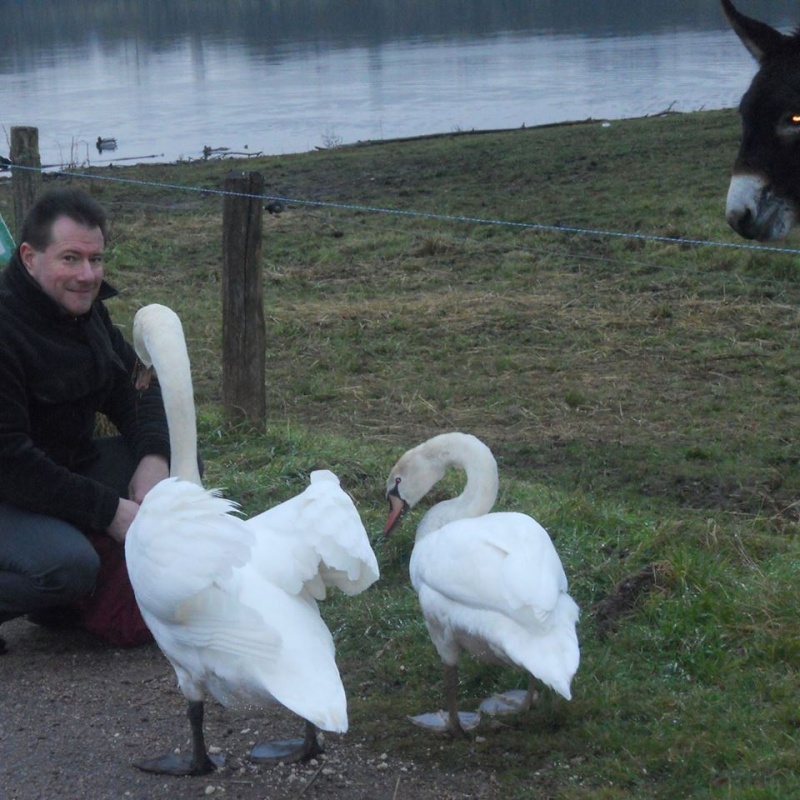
point(25, 183)
point(243, 329)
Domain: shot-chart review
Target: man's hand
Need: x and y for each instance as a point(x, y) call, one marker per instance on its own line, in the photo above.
point(151, 470)
point(126, 512)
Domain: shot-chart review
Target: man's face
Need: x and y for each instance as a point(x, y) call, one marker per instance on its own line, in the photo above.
point(70, 270)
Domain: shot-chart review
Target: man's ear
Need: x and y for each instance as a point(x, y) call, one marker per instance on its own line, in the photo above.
point(26, 254)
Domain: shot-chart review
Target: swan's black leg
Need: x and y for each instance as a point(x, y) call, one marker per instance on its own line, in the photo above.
point(451, 699)
point(198, 763)
point(311, 744)
point(288, 751)
point(530, 695)
point(201, 762)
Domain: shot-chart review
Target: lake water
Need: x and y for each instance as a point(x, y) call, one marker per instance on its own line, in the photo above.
point(170, 78)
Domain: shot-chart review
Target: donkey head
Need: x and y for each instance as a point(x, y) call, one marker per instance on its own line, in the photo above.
point(764, 194)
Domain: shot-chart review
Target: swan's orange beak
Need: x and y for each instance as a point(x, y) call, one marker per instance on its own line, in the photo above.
point(397, 507)
point(142, 376)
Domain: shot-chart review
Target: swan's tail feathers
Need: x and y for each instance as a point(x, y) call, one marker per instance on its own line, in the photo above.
point(333, 719)
point(322, 701)
point(554, 656)
point(306, 679)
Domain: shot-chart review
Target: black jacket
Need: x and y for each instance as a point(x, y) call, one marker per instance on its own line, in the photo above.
point(56, 373)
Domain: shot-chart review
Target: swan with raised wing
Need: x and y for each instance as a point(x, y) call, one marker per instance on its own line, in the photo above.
point(490, 584)
point(232, 603)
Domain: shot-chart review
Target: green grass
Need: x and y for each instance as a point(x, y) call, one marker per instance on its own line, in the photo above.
point(640, 394)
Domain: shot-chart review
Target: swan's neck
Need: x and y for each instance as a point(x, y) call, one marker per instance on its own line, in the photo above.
point(476, 460)
point(171, 362)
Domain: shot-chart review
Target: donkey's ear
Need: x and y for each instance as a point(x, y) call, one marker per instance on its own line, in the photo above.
point(759, 38)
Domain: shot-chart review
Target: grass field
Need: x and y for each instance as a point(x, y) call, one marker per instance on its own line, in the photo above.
point(640, 392)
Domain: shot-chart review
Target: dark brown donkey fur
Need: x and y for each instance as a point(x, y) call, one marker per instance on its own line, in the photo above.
point(764, 195)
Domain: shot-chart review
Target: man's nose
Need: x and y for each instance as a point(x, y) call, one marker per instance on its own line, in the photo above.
point(87, 271)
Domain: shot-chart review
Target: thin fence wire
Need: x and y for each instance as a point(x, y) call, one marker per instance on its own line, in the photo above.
point(427, 215)
point(461, 218)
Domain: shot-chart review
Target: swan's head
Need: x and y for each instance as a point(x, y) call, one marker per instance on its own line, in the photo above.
point(409, 481)
point(413, 476)
point(151, 322)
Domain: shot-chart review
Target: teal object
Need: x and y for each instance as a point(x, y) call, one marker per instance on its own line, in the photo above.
point(6, 243)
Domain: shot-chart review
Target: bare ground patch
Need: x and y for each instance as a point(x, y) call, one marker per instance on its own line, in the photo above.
point(76, 714)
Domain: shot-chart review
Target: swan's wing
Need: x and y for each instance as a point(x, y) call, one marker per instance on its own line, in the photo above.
point(347, 560)
point(324, 533)
point(497, 582)
point(216, 644)
point(183, 539)
point(502, 562)
point(532, 573)
point(304, 678)
point(249, 643)
point(216, 620)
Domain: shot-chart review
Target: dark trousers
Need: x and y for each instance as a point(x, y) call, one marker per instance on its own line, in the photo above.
point(46, 562)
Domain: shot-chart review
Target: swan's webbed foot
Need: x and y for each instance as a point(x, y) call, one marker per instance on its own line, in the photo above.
point(510, 702)
point(183, 764)
point(442, 722)
point(283, 751)
point(458, 722)
point(288, 751)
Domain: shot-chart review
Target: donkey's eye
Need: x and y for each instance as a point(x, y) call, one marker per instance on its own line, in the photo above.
point(790, 125)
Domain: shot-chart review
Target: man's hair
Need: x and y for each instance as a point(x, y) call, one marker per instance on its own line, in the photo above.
point(37, 229)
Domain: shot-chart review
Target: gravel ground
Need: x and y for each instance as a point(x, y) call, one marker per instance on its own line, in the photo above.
point(75, 714)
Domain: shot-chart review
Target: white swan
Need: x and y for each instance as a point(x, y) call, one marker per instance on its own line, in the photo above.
point(232, 603)
point(488, 584)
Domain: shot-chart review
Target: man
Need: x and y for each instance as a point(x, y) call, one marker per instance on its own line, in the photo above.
point(67, 498)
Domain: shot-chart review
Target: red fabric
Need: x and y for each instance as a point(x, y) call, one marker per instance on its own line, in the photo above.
point(111, 612)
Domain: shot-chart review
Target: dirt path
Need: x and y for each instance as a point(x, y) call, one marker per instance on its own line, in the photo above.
point(75, 714)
